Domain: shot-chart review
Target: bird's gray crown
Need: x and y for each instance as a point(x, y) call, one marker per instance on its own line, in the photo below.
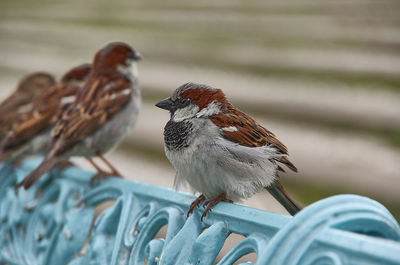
point(190, 85)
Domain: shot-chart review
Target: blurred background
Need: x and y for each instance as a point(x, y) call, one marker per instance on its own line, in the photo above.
point(324, 76)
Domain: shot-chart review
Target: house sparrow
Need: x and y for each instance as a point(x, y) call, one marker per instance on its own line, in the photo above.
point(29, 88)
point(105, 111)
point(31, 131)
point(220, 151)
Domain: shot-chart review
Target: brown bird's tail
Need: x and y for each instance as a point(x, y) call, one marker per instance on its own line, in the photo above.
point(46, 165)
point(279, 193)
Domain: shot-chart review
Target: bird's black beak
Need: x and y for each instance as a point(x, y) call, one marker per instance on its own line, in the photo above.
point(138, 56)
point(166, 104)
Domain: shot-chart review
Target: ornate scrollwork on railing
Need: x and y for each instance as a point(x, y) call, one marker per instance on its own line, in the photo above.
point(52, 223)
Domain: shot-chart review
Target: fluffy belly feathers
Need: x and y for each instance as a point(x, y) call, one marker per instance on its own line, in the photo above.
point(212, 169)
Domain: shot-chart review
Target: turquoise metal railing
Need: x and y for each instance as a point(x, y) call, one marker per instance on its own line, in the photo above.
point(52, 224)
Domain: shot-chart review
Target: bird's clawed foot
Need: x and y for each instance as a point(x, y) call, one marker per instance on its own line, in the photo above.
point(208, 204)
point(102, 175)
point(211, 203)
point(195, 203)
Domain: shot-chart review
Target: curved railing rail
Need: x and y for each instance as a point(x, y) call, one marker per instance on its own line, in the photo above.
point(51, 223)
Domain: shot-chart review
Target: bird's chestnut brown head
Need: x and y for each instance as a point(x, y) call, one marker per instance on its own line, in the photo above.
point(77, 74)
point(116, 56)
point(36, 83)
point(194, 100)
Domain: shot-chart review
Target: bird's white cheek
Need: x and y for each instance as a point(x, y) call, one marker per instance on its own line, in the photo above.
point(185, 113)
point(131, 70)
point(211, 109)
point(134, 70)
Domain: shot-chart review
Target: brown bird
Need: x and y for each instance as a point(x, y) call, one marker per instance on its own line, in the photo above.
point(31, 131)
point(104, 112)
point(28, 89)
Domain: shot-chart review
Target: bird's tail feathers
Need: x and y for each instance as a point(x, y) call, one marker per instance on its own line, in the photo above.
point(46, 165)
point(287, 163)
point(279, 193)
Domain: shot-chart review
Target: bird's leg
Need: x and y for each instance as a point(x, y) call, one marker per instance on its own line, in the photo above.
point(195, 203)
point(101, 174)
point(114, 171)
point(94, 165)
point(211, 203)
point(64, 164)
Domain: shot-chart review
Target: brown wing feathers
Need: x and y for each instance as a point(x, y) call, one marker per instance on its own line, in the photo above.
point(94, 107)
point(239, 128)
point(44, 114)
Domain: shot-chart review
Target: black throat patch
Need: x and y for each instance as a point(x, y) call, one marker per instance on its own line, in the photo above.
point(176, 134)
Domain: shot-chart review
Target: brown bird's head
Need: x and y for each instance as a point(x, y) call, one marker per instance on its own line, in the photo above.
point(77, 75)
point(36, 83)
point(194, 100)
point(63, 93)
point(28, 89)
point(115, 56)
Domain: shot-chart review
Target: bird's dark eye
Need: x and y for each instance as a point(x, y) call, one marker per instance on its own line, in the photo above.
point(182, 102)
point(131, 55)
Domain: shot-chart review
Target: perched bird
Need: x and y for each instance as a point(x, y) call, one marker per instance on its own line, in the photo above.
point(29, 88)
point(220, 151)
point(31, 131)
point(104, 112)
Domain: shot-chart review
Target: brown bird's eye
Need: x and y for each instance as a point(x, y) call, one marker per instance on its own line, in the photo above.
point(131, 55)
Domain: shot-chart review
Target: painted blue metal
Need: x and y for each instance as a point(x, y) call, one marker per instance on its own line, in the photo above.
point(50, 223)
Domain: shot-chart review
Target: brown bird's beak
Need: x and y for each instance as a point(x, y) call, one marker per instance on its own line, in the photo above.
point(166, 104)
point(136, 56)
